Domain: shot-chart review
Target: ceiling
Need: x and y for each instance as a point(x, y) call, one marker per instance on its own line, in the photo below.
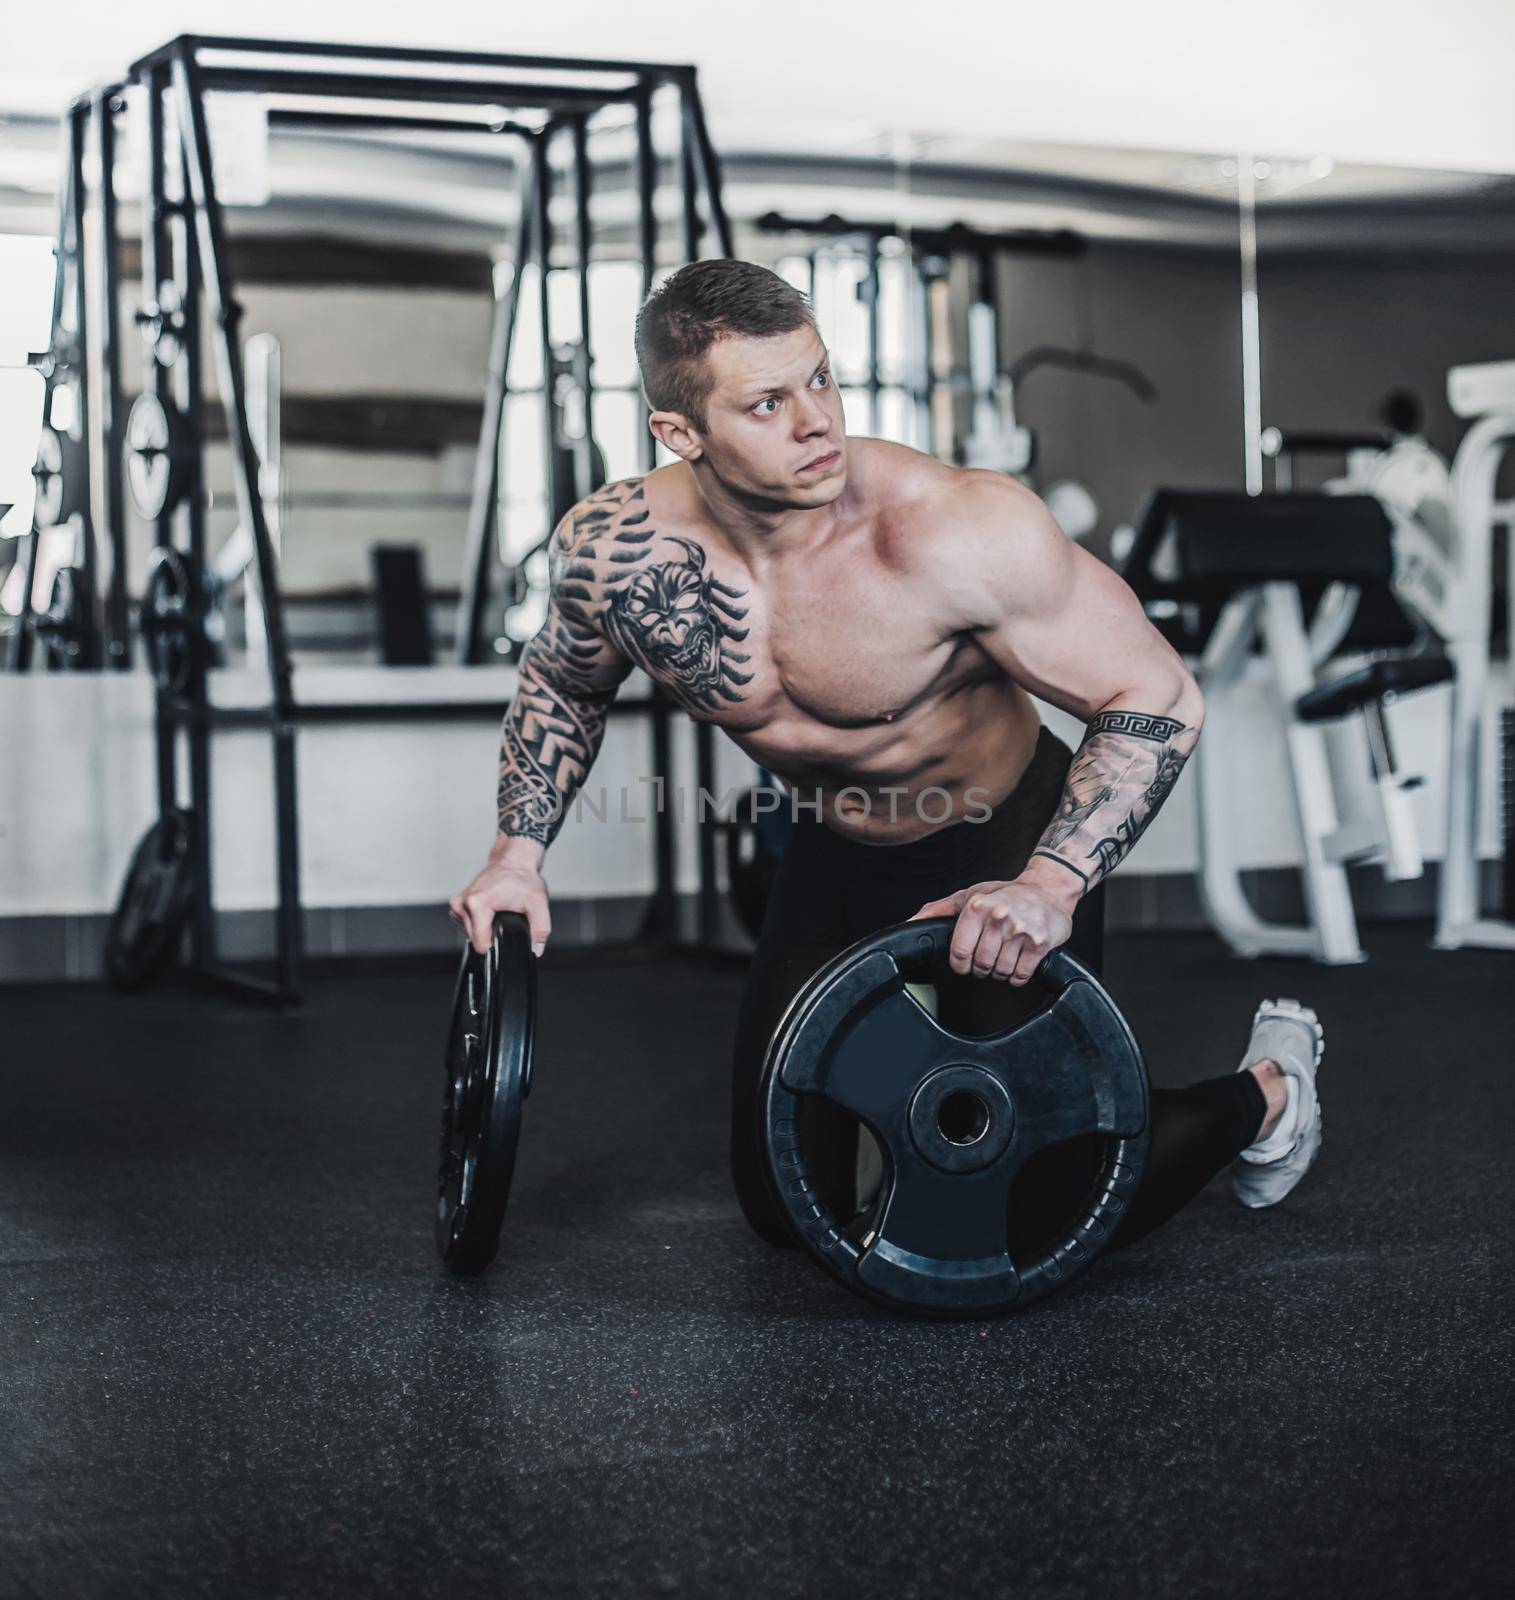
point(460, 192)
point(1382, 82)
point(1372, 125)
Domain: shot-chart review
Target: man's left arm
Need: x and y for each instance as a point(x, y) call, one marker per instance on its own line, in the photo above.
point(1069, 630)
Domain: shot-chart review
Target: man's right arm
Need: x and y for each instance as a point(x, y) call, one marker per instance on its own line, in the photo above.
point(569, 674)
point(568, 677)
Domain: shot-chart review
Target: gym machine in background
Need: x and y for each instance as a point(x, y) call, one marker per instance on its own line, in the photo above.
point(552, 104)
point(1389, 567)
point(1257, 565)
point(1451, 584)
point(950, 391)
point(1444, 519)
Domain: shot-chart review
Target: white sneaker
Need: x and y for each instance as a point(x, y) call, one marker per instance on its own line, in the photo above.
point(1290, 1034)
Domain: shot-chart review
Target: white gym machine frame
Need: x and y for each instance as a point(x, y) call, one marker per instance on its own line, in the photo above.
point(1456, 598)
point(1444, 522)
point(1197, 548)
point(1443, 538)
point(1273, 614)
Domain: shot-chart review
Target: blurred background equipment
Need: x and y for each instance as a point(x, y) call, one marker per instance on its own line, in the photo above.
point(414, 382)
point(1255, 562)
point(188, 268)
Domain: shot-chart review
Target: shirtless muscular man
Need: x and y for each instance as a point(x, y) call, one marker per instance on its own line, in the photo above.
point(870, 625)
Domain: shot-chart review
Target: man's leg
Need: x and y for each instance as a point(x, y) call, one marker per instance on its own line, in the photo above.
point(831, 893)
point(1197, 1132)
point(1262, 1120)
point(801, 932)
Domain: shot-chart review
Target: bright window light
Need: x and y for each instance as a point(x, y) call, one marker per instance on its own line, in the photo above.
point(26, 303)
point(26, 296)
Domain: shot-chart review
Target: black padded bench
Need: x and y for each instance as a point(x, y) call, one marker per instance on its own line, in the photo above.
point(1199, 547)
point(1375, 682)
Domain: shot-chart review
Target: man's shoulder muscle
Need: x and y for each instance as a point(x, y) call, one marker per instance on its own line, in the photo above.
point(981, 538)
point(597, 517)
point(588, 547)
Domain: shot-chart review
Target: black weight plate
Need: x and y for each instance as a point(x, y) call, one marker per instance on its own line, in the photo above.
point(956, 1119)
point(154, 901)
point(171, 618)
point(488, 1076)
point(63, 628)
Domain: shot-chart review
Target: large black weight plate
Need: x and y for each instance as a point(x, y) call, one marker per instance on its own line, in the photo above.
point(172, 618)
point(154, 901)
point(956, 1119)
point(157, 463)
point(754, 846)
point(488, 1068)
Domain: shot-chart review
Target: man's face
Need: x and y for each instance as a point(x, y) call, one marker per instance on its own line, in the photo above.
point(773, 422)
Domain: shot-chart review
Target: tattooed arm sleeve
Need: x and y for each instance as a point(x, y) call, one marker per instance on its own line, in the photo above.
point(569, 674)
point(1121, 774)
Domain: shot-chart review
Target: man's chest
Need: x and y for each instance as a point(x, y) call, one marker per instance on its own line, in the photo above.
point(847, 646)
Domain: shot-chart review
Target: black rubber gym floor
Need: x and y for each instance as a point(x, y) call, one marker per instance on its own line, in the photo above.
point(230, 1363)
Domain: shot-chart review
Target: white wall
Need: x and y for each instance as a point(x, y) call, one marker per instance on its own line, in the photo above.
point(403, 814)
point(398, 814)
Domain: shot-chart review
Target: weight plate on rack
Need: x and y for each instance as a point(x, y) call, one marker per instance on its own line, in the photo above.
point(61, 472)
point(172, 618)
point(64, 628)
point(163, 326)
point(157, 462)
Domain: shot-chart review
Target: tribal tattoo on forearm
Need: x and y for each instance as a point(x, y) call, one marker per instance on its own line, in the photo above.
point(611, 607)
point(555, 723)
point(1121, 774)
point(549, 744)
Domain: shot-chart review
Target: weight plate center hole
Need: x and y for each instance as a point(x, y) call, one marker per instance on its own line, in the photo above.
point(962, 1118)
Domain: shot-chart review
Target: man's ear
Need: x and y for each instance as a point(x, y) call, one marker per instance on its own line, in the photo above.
point(675, 432)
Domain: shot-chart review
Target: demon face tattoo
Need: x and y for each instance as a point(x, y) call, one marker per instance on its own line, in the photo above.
point(679, 622)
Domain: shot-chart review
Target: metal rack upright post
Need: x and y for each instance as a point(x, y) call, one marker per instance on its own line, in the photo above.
point(185, 257)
